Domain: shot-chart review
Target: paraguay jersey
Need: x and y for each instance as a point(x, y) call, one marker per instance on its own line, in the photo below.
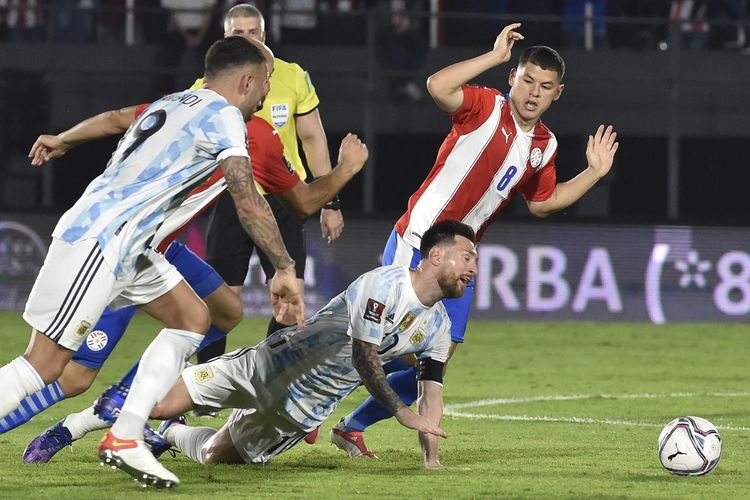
point(271, 170)
point(306, 372)
point(482, 162)
point(173, 147)
point(292, 94)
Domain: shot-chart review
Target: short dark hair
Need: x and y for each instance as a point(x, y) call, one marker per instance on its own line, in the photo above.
point(443, 232)
point(230, 53)
point(544, 57)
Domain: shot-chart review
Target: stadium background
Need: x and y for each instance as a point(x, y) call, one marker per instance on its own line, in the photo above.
point(663, 238)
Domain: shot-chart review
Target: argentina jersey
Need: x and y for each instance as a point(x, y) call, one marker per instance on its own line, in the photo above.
point(384, 310)
point(171, 148)
point(312, 367)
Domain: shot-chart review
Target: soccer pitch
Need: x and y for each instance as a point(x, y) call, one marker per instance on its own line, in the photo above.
point(533, 410)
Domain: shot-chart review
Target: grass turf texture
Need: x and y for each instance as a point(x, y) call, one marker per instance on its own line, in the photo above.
point(630, 380)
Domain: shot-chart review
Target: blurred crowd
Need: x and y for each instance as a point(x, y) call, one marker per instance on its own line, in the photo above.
point(636, 24)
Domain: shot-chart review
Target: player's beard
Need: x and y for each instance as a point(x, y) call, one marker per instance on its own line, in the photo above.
point(450, 286)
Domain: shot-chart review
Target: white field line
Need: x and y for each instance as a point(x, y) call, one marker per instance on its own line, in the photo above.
point(453, 410)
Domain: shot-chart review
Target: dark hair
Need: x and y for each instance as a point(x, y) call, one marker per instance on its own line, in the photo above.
point(230, 53)
point(544, 57)
point(443, 232)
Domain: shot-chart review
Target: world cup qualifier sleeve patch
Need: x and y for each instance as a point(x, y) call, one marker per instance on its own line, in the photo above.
point(374, 311)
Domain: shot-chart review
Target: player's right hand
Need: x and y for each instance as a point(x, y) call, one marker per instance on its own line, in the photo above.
point(353, 152)
point(412, 420)
point(47, 147)
point(505, 40)
point(286, 293)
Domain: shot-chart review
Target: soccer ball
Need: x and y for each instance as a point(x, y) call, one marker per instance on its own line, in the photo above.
point(689, 446)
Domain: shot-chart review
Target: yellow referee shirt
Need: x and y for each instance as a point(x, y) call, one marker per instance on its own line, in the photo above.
point(292, 94)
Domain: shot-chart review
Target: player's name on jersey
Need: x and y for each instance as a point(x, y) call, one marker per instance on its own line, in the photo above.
point(187, 98)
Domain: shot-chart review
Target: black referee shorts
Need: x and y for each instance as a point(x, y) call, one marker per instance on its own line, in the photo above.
point(229, 247)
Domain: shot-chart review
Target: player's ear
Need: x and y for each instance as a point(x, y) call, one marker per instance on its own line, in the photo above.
point(435, 255)
point(559, 91)
point(246, 82)
point(512, 77)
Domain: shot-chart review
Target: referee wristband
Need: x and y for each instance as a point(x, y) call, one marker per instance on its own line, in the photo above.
point(334, 204)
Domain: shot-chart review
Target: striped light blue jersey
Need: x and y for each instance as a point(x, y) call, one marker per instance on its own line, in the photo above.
point(306, 372)
point(173, 146)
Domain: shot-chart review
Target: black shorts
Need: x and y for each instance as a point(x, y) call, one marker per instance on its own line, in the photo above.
point(229, 247)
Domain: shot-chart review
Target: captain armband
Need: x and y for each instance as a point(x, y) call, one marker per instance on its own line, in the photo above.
point(429, 369)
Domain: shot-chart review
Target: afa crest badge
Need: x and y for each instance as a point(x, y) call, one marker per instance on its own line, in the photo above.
point(203, 374)
point(417, 337)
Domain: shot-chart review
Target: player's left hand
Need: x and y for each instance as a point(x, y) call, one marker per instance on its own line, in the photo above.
point(419, 423)
point(331, 224)
point(601, 149)
point(46, 148)
point(285, 294)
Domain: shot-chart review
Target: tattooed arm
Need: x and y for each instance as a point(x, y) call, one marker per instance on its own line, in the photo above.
point(366, 361)
point(253, 210)
point(256, 217)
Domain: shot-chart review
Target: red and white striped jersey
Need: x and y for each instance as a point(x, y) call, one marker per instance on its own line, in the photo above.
point(482, 162)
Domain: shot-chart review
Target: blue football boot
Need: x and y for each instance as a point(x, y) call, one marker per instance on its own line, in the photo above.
point(43, 447)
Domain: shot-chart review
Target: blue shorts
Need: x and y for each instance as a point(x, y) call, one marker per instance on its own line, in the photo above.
point(397, 251)
point(112, 325)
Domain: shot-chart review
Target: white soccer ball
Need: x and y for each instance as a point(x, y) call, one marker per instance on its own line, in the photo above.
point(689, 446)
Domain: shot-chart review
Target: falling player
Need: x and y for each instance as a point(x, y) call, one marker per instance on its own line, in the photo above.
point(497, 146)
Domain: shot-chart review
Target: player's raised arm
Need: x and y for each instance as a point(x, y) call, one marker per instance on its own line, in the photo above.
point(113, 122)
point(306, 199)
point(600, 154)
point(445, 85)
point(366, 361)
point(258, 220)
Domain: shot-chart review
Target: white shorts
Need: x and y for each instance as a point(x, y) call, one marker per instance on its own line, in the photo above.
point(259, 432)
point(75, 284)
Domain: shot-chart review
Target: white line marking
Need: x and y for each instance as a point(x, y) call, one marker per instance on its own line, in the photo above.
point(453, 410)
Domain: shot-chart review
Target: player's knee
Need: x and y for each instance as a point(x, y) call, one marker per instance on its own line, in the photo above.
point(211, 455)
point(197, 319)
point(229, 314)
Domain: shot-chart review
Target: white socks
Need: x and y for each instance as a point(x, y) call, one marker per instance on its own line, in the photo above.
point(18, 379)
point(81, 423)
point(191, 440)
point(161, 365)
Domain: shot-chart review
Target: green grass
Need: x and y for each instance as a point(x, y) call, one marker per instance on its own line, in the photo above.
point(630, 380)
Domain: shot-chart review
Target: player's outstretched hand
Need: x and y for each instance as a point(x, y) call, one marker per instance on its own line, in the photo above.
point(505, 40)
point(409, 419)
point(601, 149)
point(47, 147)
point(286, 295)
